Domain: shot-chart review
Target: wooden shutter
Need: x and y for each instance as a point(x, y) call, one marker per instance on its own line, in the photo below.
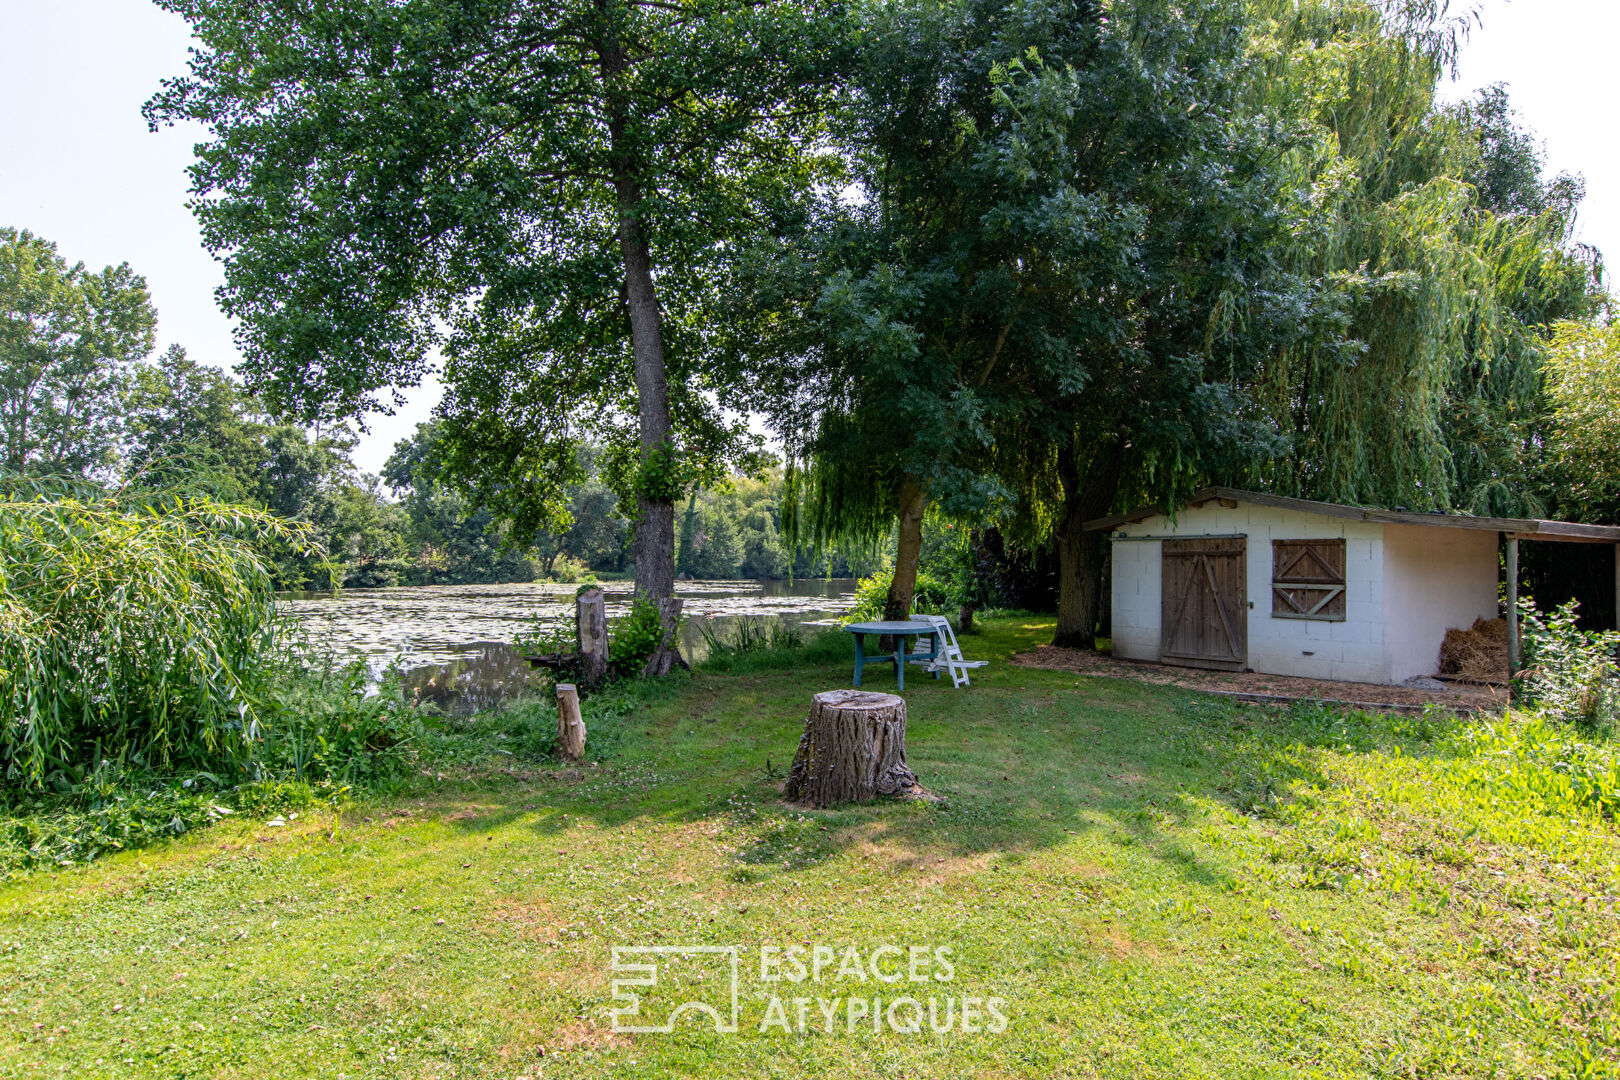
point(1307, 580)
point(1205, 618)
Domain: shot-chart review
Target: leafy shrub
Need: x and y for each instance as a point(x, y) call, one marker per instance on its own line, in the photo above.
point(547, 635)
point(1569, 673)
point(634, 636)
point(134, 629)
point(328, 725)
point(931, 596)
point(569, 570)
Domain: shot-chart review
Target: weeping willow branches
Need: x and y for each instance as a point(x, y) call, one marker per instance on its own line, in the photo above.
point(1419, 377)
point(137, 628)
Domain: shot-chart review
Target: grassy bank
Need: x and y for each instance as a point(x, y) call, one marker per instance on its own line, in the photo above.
point(1156, 883)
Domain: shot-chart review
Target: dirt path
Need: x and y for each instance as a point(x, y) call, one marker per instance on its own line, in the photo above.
point(1458, 696)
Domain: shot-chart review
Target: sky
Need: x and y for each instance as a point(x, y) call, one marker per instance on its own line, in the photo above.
point(78, 165)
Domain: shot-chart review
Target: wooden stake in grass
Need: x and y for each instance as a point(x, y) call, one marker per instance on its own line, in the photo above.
point(853, 750)
point(570, 724)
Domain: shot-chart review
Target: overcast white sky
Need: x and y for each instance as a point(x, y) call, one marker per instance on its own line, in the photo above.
point(78, 166)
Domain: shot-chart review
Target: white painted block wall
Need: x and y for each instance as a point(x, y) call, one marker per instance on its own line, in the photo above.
point(1349, 651)
point(1138, 582)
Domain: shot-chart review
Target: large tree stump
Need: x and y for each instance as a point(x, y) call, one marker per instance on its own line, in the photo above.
point(570, 723)
point(853, 750)
point(590, 620)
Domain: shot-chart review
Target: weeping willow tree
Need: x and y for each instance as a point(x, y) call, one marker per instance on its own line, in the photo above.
point(134, 626)
point(1418, 384)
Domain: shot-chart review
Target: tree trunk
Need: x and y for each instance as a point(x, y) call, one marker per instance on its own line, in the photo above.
point(1080, 554)
point(655, 511)
point(570, 724)
point(667, 656)
point(913, 504)
point(590, 624)
point(655, 517)
point(853, 750)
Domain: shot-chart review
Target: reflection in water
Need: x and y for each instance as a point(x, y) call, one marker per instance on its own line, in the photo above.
point(453, 641)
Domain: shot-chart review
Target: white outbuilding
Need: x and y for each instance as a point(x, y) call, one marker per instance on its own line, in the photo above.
point(1245, 581)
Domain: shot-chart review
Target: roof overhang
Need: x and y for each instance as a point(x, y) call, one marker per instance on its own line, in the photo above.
point(1521, 528)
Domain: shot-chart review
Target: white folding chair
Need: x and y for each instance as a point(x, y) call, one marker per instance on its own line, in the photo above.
point(947, 654)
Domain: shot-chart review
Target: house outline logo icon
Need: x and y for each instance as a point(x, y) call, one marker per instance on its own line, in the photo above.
point(643, 973)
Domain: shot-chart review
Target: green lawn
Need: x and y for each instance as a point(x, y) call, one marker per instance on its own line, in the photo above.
point(1157, 884)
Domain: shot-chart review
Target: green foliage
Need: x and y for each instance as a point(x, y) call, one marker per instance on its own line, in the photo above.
point(757, 647)
point(332, 725)
point(134, 629)
point(526, 163)
point(1510, 176)
point(1437, 254)
point(190, 425)
point(547, 636)
point(1536, 762)
point(635, 636)
point(932, 597)
point(327, 734)
point(1040, 283)
point(1583, 394)
point(451, 541)
point(751, 636)
point(662, 475)
point(1569, 673)
point(67, 336)
point(115, 810)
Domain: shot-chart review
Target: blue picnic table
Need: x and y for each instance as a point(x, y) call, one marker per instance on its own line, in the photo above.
point(900, 631)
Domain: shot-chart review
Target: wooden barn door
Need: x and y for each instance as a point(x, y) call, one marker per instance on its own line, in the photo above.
point(1206, 604)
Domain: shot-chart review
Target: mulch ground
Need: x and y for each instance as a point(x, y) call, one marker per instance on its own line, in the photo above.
point(1457, 696)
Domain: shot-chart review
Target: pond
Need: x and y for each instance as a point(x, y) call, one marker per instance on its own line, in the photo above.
point(453, 642)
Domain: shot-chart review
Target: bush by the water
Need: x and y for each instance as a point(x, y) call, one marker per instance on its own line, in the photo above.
point(139, 630)
point(932, 596)
point(635, 636)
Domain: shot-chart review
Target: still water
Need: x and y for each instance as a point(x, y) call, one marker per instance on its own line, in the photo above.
point(454, 641)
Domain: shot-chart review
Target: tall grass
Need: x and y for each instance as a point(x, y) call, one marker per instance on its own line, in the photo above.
point(133, 628)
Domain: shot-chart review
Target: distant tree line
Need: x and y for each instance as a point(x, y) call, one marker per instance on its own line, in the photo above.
point(82, 397)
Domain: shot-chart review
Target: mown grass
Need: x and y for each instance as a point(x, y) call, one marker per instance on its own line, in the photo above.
point(1157, 883)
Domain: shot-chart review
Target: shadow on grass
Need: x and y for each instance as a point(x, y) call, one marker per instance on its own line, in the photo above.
point(1022, 760)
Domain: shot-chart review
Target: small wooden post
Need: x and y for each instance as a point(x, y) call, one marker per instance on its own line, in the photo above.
point(570, 724)
point(1513, 604)
point(590, 618)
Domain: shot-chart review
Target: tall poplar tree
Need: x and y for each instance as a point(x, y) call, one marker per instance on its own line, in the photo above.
point(548, 191)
